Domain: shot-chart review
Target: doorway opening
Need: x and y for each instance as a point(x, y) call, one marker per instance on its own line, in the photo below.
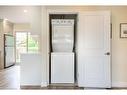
point(62, 17)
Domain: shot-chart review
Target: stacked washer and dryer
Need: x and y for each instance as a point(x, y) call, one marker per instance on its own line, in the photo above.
point(62, 55)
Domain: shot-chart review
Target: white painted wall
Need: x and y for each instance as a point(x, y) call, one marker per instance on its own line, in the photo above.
point(119, 46)
point(30, 69)
point(6, 27)
point(16, 15)
point(22, 27)
point(44, 40)
point(33, 17)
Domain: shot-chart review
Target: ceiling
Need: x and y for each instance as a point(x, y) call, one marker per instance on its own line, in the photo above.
point(19, 14)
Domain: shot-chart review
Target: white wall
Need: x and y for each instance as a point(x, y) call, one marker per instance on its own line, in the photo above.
point(22, 27)
point(30, 69)
point(119, 46)
point(16, 15)
point(32, 17)
point(44, 48)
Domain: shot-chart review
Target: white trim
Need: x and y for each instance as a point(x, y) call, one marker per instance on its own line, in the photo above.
point(119, 84)
point(54, 11)
point(45, 48)
point(44, 84)
point(62, 11)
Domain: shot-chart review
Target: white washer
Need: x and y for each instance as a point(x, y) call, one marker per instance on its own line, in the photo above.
point(62, 67)
point(62, 57)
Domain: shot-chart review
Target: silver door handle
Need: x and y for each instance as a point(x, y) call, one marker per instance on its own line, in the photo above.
point(107, 53)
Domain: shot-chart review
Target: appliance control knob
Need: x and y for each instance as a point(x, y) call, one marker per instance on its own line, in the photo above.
point(107, 53)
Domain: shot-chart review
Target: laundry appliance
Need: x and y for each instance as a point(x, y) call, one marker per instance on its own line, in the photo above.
point(62, 55)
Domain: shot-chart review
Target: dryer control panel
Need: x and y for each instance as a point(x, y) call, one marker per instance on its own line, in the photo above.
point(63, 21)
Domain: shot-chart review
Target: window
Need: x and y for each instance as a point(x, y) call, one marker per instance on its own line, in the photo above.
point(33, 43)
point(26, 43)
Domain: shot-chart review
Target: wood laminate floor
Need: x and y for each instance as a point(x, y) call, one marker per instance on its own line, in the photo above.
point(10, 78)
point(56, 87)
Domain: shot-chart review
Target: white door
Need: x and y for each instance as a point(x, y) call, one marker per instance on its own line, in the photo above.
point(94, 49)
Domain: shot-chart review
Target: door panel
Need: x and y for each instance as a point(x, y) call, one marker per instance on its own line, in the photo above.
point(93, 43)
point(94, 36)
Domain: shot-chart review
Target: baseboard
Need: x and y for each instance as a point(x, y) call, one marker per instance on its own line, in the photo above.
point(30, 86)
point(44, 84)
point(119, 84)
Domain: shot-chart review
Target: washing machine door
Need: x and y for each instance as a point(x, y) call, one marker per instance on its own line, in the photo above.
point(62, 35)
point(62, 67)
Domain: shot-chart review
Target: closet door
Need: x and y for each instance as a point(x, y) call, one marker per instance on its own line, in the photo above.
point(94, 49)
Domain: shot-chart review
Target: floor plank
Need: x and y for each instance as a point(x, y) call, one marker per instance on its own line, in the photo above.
point(10, 78)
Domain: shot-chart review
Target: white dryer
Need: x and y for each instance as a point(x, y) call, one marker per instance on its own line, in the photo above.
point(62, 57)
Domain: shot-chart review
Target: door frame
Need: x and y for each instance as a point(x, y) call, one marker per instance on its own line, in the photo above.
point(50, 11)
point(46, 19)
point(74, 16)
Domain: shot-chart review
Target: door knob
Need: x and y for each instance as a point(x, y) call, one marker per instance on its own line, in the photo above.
point(107, 53)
